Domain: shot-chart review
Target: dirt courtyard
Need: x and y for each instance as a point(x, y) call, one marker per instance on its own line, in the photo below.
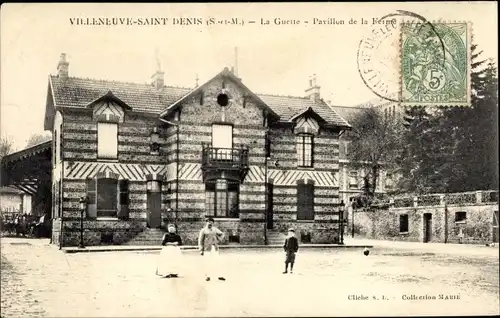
point(39, 280)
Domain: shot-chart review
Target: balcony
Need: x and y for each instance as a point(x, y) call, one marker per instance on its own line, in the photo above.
point(224, 163)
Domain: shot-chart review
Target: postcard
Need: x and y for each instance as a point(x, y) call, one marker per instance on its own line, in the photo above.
point(249, 159)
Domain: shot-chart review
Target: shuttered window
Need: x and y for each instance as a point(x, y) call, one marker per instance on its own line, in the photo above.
point(107, 197)
point(305, 201)
point(107, 140)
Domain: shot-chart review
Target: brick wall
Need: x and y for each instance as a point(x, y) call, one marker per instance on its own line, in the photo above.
point(193, 126)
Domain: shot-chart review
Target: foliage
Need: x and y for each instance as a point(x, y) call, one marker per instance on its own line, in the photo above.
point(6, 146)
point(454, 149)
point(375, 141)
point(36, 139)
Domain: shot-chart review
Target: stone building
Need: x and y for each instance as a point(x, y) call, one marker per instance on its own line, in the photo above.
point(146, 155)
point(14, 201)
point(470, 217)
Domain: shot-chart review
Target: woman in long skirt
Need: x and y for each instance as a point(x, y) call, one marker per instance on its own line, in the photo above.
point(170, 256)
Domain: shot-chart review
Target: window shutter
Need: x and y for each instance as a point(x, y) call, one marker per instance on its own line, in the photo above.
point(124, 200)
point(91, 198)
point(309, 201)
point(301, 201)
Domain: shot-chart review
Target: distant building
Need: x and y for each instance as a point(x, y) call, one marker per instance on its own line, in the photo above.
point(351, 178)
point(14, 201)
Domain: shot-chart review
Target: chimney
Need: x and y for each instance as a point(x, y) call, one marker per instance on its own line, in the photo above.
point(158, 79)
point(62, 67)
point(313, 90)
point(159, 76)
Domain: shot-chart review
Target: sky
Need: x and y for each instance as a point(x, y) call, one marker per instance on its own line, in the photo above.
point(275, 59)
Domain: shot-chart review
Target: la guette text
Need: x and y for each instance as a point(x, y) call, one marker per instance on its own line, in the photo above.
point(212, 21)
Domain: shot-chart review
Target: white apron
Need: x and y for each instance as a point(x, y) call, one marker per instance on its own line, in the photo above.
point(170, 260)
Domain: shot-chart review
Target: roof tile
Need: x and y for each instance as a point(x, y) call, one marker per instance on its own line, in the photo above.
point(79, 92)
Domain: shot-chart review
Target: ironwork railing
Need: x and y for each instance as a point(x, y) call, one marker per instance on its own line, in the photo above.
point(224, 157)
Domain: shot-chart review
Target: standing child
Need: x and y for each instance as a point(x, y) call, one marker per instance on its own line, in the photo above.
point(291, 247)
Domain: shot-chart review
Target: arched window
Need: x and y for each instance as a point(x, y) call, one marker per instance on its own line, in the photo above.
point(305, 150)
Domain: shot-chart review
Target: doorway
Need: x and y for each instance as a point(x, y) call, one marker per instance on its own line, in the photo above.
point(427, 227)
point(154, 205)
point(269, 214)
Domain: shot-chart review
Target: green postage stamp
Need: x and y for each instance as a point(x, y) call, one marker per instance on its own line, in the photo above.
point(435, 64)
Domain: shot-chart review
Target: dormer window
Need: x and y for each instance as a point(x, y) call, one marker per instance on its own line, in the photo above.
point(305, 150)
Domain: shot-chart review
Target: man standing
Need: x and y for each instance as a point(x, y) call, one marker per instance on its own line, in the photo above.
point(208, 241)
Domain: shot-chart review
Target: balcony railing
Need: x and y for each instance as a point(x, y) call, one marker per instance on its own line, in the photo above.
point(224, 158)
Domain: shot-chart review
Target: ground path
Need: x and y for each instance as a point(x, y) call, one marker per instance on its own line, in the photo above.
point(40, 280)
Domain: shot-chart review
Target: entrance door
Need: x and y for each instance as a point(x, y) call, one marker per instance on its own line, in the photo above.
point(154, 205)
point(495, 227)
point(270, 221)
point(427, 227)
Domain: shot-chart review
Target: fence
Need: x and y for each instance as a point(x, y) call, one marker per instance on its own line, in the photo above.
point(462, 199)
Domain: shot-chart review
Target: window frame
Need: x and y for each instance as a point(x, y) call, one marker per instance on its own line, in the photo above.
point(460, 220)
point(122, 209)
point(300, 143)
point(214, 194)
point(353, 175)
point(404, 220)
point(106, 157)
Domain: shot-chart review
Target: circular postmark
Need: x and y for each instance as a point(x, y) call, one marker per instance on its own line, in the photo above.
point(378, 57)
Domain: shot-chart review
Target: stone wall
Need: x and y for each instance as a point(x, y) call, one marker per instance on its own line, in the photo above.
point(476, 227)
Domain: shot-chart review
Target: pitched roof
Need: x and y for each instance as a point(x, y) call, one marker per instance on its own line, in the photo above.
point(348, 112)
point(10, 190)
point(289, 106)
point(226, 73)
point(79, 92)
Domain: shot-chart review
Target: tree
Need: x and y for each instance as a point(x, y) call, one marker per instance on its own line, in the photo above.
point(454, 149)
point(476, 131)
point(36, 139)
point(6, 146)
point(375, 142)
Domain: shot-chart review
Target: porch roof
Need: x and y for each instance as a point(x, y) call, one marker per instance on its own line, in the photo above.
point(28, 168)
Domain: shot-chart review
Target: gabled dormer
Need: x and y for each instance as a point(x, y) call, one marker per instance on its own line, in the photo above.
point(108, 111)
point(108, 108)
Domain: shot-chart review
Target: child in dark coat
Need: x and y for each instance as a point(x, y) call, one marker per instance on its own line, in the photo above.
point(291, 247)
